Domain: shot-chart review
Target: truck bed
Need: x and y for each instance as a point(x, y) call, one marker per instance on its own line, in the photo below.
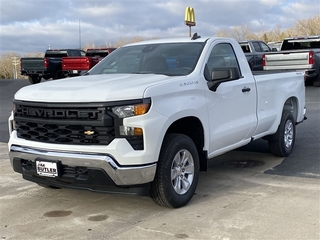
point(264, 72)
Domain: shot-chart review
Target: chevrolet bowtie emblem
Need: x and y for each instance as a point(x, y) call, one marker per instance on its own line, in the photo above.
point(89, 132)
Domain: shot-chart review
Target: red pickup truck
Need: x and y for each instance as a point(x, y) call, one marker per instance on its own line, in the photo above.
point(73, 66)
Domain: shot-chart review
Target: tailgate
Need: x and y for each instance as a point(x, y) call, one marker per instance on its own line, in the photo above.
point(32, 64)
point(287, 60)
point(75, 63)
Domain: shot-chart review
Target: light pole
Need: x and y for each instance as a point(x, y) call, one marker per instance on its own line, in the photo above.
point(15, 63)
point(79, 35)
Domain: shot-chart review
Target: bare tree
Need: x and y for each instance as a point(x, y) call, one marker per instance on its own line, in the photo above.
point(6, 65)
point(124, 41)
point(241, 32)
point(303, 27)
point(309, 26)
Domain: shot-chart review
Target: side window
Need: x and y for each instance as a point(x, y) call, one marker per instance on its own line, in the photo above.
point(222, 55)
point(256, 46)
point(265, 47)
point(245, 48)
point(72, 53)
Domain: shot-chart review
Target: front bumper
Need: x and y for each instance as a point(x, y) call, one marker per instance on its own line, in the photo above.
point(23, 160)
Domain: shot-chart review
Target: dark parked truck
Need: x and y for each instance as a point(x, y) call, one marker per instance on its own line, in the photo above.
point(147, 118)
point(74, 66)
point(48, 67)
point(253, 50)
point(298, 53)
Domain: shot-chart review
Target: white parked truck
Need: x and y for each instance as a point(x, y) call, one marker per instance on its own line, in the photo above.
point(148, 117)
point(297, 53)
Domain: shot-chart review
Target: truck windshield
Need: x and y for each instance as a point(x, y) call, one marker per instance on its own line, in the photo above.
point(56, 54)
point(172, 59)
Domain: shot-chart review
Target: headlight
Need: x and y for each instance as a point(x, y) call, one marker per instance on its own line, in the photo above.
point(133, 134)
point(131, 110)
point(13, 122)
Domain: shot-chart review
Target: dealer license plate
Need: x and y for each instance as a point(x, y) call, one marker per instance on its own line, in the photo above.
point(47, 169)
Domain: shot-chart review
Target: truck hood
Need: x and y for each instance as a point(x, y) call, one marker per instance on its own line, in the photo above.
point(95, 88)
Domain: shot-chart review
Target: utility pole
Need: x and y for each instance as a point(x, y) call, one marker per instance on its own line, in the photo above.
point(79, 35)
point(15, 63)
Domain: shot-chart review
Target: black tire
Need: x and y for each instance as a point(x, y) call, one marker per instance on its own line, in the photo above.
point(282, 143)
point(177, 172)
point(34, 79)
point(58, 75)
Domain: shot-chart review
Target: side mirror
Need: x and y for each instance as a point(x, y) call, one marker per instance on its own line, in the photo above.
point(222, 74)
point(274, 50)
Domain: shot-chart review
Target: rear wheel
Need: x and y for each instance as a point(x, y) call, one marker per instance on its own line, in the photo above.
point(34, 79)
point(282, 143)
point(58, 75)
point(177, 172)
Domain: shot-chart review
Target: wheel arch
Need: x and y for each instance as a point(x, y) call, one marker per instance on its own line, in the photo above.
point(291, 105)
point(193, 128)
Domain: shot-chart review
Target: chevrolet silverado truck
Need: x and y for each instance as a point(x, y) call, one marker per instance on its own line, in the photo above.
point(75, 66)
point(254, 50)
point(48, 67)
point(298, 53)
point(147, 118)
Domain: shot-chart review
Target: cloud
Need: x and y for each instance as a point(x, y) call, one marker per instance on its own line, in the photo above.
point(30, 26)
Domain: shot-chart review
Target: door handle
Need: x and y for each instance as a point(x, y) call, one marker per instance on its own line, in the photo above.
point(246, 89)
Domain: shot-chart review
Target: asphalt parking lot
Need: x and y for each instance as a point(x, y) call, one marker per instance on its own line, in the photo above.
point(275, 199)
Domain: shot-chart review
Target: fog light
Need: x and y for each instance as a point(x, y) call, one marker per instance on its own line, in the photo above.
point(130, 131)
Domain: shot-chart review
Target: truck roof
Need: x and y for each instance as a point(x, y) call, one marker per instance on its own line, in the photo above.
point(100, 49)
point(59, 50)
point(246, 41)
point(303, 37)
point(173, 40)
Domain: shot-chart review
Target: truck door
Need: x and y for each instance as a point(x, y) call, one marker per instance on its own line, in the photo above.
point(232, 107)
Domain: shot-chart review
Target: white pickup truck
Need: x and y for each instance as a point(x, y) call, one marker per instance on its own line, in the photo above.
point(297, 53)
point(148, 117)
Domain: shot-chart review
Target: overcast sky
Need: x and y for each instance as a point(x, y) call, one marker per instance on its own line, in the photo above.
point(31, 25)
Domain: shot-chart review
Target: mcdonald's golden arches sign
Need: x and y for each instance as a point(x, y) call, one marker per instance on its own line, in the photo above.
point(189, 17)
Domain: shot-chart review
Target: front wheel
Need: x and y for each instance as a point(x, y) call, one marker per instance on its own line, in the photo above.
point(282, 143)
point(177, 172)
